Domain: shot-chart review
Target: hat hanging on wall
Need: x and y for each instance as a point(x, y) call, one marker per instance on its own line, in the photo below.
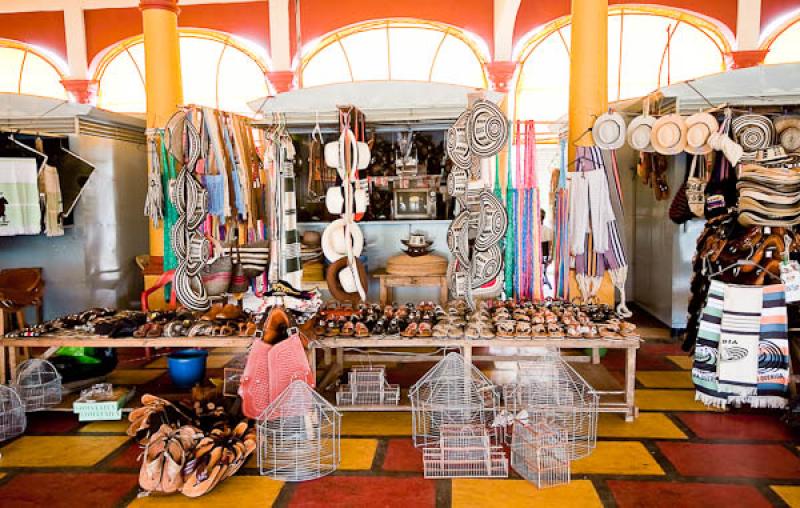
point(456, 143)
point(609, 131)
point(334, 240)
point(639, 133)
point(699, 128)
point(753, 132)
point(487, 128)
point(669, 135)
point(788, 130)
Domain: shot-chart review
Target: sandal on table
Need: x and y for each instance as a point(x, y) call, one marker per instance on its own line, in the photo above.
point(411, 330)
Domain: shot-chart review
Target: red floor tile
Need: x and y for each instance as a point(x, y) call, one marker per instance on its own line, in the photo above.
point(732, 460)
point(51, 422)
point(737, 426)
point(630, 494)
point(615, 360)
point(56, 490)
point(129, 458)
point(371, 491)
point(402, 456)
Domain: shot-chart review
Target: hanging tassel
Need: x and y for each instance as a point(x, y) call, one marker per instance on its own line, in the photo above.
point(618, 278)
point(154, 201)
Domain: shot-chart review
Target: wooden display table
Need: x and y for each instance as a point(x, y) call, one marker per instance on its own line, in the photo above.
point(626, 406)
point(390, 281)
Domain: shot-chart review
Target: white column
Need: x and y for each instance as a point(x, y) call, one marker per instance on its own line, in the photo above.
point(279, 35)
point(505, 15)
point(75, 35)
point(748, 24)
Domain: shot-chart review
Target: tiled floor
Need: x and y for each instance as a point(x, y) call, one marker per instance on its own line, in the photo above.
point(677, 453)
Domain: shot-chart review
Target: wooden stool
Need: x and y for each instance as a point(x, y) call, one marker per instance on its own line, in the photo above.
point(389, 281)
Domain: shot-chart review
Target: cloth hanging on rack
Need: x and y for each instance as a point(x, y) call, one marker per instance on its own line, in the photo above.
point(590, 202)
point(738, 341)
point(50, 186)
point(560, 248)
point(773, 355)
point(704, 367)
point(20, 213)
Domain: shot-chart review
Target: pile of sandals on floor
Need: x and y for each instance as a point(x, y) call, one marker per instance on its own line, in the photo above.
point(189, 448)
point(509, 319)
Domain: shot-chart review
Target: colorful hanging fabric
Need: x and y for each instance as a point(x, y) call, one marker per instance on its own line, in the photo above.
point(529, 270)
point(170, 212)
point(511, 232)
point(561, 229)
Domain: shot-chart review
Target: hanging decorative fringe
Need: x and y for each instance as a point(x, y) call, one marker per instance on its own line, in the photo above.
point(511, 232)
point(528, 269)
point(154, 201)
point(561, 229)
point(170, 212)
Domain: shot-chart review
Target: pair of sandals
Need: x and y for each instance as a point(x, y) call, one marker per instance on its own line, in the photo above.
point(218, 456)
point(208, 329)
point(165, 456)
point(414, 329)
point(220, 312)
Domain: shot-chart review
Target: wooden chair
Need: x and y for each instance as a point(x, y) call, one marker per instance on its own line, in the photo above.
point(19, 288)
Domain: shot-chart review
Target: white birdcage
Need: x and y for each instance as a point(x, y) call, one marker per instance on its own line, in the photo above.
point(540, 454)
point(12, 414)
point(465, 451)
point(38, 384)
point(299, 435)
point(552, 392)
point(368, 386)
point(452, 392)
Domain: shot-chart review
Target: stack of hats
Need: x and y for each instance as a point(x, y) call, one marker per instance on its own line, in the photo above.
point(311, 256)
point(768, 196)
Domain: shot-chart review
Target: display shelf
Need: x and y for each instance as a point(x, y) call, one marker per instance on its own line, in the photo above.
point(399, 222)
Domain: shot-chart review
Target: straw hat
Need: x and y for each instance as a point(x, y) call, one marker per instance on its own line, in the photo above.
point(788, 129)
point(639, 133)
point(311, 238)
point(699, 127)
point(609, 131)
point(669, 135)
point(334, 243)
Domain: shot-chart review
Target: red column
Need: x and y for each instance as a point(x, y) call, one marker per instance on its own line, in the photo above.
point(500, 74)
point(747, 58)
point(83, 91)
point(282, 81)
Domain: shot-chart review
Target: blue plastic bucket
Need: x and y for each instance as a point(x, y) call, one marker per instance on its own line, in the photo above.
point(187, 367)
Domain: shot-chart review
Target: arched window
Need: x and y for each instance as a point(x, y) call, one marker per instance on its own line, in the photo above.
point(784, 44)
point(218, 70)
point(396, 50)
point(647, 48)
point(24, 70)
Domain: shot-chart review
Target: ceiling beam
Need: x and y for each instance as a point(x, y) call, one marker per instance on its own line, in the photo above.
point(505, 16)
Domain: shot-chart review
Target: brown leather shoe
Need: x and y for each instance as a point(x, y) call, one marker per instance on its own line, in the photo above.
point(211, 315)
point(229, 312)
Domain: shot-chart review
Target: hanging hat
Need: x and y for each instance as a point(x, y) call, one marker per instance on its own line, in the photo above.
point(456, 143)
point(342, 283)
point(700, 127)
point(753, 132)
point(639, 133)
point(347, 148)
point(492, 221)
point(788, 129)
point(486, 265)
point(609, 131)
point(487, 128)
point(334, 242)
point(669, 135)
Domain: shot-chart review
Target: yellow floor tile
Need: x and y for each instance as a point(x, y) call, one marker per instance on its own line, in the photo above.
point(789, 493)
point(665, 379)
point(238, 491)
point(59, 451)
point(115, 427)
point(134, 376)
point(618, 457)
point(668, 400)
point(213, 362)
point(376, 424)
point(684, 362)
point(646, 426)
point(467, 493)
point(358, 454)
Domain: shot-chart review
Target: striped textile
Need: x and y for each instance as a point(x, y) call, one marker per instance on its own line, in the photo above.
point(738, 342)
point(773, 356)
point(706, 353)
point(291, 264)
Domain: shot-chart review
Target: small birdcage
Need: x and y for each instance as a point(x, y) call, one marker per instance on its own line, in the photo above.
point(550, 391)
point(540, 454)
point(38, 384)
point(12, 414)
point(452, 392)
point(368, 386)
point(299, 435)
point(465, 451)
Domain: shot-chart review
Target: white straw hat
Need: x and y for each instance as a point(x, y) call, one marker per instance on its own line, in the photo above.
point(639, 133)
point(334, 241)
point(788, 129)
point(700, 127)
point(669, 135)
point(609, 131)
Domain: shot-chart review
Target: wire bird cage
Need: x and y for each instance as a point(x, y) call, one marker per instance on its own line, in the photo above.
point(550, 391)
point(540, 454)
point(38, 384)
point(465, 451)
point(368, 386)
point(299, 435)
point(452, 392)
point(12, 414)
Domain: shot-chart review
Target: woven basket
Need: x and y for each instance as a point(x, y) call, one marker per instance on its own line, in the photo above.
point(404, 264)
